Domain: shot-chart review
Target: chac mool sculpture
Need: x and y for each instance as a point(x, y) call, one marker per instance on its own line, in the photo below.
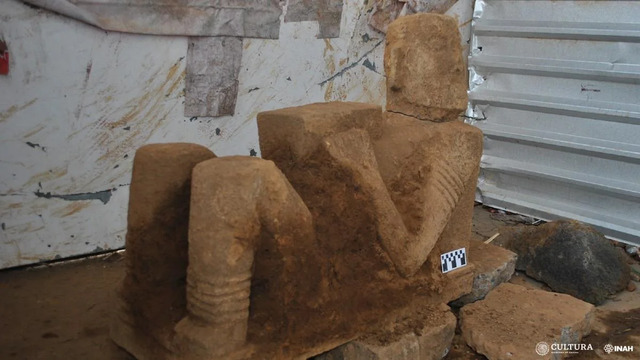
point(334, 233)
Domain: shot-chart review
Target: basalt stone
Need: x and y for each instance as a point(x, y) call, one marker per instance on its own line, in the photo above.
point(571, 257)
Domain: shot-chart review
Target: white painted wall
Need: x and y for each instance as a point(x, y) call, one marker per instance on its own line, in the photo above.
point(89, 98)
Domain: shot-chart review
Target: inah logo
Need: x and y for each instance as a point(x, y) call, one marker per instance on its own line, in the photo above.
point(542, 348)
point(610, 348)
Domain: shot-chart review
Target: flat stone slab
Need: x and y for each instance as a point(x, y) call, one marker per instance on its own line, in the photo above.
point(493, 266)
point(512, 320)
point(426, 336)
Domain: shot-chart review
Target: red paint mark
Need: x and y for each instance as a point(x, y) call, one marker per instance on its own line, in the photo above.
point(4, 58)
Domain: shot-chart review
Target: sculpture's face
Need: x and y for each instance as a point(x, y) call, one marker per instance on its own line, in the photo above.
point(426, 76)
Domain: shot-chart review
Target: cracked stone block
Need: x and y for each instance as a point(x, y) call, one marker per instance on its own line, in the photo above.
point(426, 74)
point(493, 266)
point(512, 320)
point(426, 336)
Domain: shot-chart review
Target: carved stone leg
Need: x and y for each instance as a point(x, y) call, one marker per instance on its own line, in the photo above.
point(151, 298)
point(234, 202)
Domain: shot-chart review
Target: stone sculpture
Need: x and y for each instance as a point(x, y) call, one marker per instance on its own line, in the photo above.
point(337, 231)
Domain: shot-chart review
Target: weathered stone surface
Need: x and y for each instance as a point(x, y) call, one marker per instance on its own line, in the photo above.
point(211, 84)
point(426, 75)
point(296, 132)
point(246, 229)
point(426, 335)
point(427, 168)
point(377, 199)
point(493, 266)
point(512, 319)
point(152, 296)
point(249, 234)
point(336, 157)
point(570, 257)
point(402, 183)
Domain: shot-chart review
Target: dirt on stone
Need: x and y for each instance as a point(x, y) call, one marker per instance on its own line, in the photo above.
point(360, 285)
point(620, 328)
point(419, 317)
point(512, 319)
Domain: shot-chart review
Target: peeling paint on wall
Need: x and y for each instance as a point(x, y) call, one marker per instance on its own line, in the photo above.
point(327, 13)
point(212, 62)
point(91, 98)
point(104, 196)
point(243, 18)
point(213, 66)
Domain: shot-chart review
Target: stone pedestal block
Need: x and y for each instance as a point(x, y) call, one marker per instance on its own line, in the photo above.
point(411, 339)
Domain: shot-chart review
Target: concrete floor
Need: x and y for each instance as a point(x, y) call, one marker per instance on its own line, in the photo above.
point(62, 311)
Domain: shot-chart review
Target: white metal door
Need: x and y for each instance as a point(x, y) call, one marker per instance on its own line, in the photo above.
point(555, 87)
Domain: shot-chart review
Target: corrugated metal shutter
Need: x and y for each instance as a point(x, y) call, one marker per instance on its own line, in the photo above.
point(555, 87)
